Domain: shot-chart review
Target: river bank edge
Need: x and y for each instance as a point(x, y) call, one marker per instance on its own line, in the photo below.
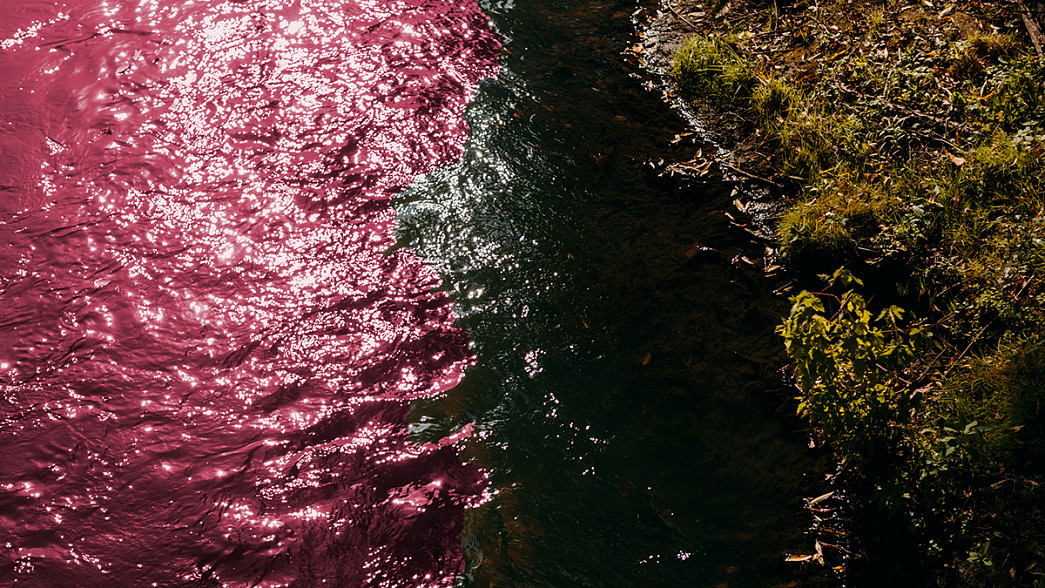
point(905, 142)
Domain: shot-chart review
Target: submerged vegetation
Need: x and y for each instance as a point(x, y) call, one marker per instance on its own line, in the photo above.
point(910, 138)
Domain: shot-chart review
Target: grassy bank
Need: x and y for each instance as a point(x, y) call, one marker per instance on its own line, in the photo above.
point(910, 138)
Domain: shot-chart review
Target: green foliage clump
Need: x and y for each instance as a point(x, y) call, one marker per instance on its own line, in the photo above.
point(1005, 390)
point(988, 233)
point(774, 100)
point(825, 230)
point(849, 370)
point(974, 486)
point(1009, 94)
point(807, 144)
point(993, 45)
point(973, 55)
point(1003, 173)
point(710, 68)
point(958, 460)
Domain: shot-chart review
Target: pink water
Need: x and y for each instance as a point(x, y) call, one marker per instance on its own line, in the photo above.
point(207, 351)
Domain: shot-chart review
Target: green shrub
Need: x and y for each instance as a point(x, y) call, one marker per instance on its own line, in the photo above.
point(849, 369)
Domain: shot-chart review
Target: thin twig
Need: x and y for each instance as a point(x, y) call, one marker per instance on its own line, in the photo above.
point(683, 19)
point(966, 350)
point(749, 176)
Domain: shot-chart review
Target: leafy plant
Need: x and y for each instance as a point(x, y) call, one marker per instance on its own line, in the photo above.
point(849, 367)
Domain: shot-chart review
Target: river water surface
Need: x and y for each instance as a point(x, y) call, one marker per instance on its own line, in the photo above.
point(371, 293)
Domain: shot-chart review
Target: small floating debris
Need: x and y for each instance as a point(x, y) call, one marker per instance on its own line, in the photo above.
point(800, 558)
point(818, 557)
point(702, 250)
point(819, 499)
point(692, 168)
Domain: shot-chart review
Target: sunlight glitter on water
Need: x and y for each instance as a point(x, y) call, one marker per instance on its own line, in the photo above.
point(207, 352)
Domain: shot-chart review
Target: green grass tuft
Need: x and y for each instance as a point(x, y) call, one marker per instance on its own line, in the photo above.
point(709, 68)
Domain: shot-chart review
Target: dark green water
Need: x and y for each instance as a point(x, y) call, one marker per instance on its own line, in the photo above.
point(625, 395)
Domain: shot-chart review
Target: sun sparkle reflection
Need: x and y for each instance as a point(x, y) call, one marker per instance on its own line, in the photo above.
point(221, 353)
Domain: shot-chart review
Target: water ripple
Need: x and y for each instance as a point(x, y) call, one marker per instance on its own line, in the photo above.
point(207, 354)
